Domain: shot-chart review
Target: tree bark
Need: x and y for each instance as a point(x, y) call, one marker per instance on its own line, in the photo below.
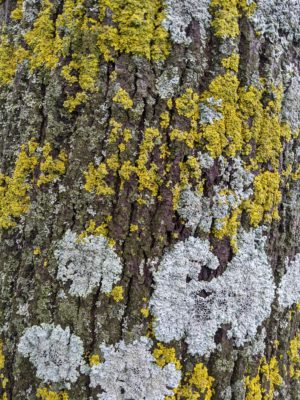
point(128, 128)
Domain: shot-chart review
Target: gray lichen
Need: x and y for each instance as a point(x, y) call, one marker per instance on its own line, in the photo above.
point(87, 263)
point(185, 307)
point(129, 372)
point(55, 353)
point(275, 19)
point(179, 14)
point(289, 288)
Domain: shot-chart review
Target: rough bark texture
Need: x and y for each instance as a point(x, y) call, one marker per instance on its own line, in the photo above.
point(124, 155)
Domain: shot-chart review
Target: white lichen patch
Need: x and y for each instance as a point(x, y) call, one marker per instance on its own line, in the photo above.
point(129, 372)
point(173, 302)
point(289, 287)
point(291, 104)
point(185, 307)
point(234, 187)
point(55, 353)
point(276, 18)
point(87, 263)
point(168, 83)
point(179, 15)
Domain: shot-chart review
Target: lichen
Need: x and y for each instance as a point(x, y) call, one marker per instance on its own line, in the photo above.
point(268, 372)
point(55, 352)
point(130, 371)
point(179, 15)
point(294, 357)
point(51, 168)
point(242, 296)
point(196, 385)
point(14, 198)
point(87, 263)
point(275, 19)
point(289, 287)
point(123, 98)
point(46, 394)
point(266, 199)
point(117, 293)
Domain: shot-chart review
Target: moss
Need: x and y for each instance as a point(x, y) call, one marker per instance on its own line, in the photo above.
point(267, 197)
point(123, 98)
point(46, 394)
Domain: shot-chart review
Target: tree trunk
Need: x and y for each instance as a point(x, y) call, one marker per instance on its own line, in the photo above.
point(149, 199)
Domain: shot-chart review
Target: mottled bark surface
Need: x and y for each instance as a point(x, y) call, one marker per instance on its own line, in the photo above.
point(140, 215)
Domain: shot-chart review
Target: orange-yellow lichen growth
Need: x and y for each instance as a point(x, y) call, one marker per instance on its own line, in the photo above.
point(225, 18)
point(224, 135)
point(95, 178)
point(294, 357)
point(17, 13)
point(94, 360)
point(123, 98)
point(9, 58)
point(137, 29)
point(267, 197)
point(14, 198)
point(3, 379)
point(117, 293)
point(165, 355)
point(51, 168)
point(196, 385)
point(267, 372)
point(47, 394)
point(41, 39)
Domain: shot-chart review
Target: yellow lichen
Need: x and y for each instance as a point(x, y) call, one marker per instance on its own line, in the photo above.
point(123, 98)
point(231, 62)
point(41, 39)
point(96, 180)
point(117, 293)
point(17, 13)
point(46, 394)
point(9, 58)
point(164, 355)
point(94, 360)
point(137, 28)
point(268, 373)
point(197, 385)
point(37, 251)
point(3, 379)
point(14, 198)
point(225, 18)
point(145, 312)
point(267, 196)
point(294, 357)
point(51, 168)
